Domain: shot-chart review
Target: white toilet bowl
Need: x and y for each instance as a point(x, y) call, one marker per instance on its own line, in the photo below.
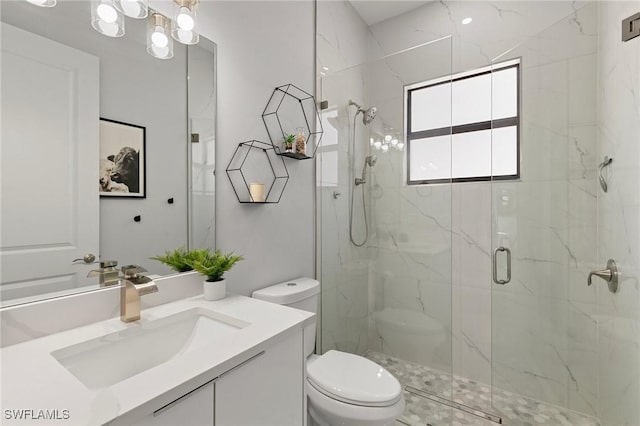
point(348, 390)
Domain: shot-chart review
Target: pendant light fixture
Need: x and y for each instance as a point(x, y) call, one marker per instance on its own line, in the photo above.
point(136, 9)
point(159, 41)
point(43, 3)
point(183, 25)
point(106, 19)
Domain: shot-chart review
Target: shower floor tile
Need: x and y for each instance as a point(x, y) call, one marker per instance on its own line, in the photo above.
point(515, 410)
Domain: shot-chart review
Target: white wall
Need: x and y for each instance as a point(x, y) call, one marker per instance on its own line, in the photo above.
point(261, 45)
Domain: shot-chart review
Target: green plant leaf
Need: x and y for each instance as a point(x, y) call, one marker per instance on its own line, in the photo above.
point(213, 265)
point(178, 259)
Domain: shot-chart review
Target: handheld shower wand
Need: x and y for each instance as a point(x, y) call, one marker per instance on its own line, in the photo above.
point(368, 161)
point(368, 115)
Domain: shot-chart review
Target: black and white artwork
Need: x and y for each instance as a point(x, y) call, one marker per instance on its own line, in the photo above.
point(122, 159)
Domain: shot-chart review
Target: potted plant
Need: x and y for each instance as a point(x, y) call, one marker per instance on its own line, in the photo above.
point(288, 143)
point(213, 266)
point(179, 259)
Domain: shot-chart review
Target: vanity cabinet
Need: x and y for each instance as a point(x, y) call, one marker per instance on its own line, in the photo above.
point(193, 409)
point(264, 390)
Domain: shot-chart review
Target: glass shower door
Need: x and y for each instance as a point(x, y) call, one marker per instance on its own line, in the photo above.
point(544, 347)
point(564, 352)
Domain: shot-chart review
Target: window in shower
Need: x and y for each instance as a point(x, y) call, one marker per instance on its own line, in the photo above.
point(464, 127)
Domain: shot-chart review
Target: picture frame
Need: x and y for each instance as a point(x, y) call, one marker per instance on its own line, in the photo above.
point(122, 160)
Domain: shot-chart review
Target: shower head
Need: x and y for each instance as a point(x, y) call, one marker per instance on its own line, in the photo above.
point(368, 114)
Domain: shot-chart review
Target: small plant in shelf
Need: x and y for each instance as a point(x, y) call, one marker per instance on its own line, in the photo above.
point(288, 143)
point(179, 259)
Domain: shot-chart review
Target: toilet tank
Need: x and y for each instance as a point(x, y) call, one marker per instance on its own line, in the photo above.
point(301, 293)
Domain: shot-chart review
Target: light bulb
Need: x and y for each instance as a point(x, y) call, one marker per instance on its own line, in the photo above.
point(387, 138)
point(132, 8)
point(394, 142)
point(107, 13)
point(371, 141)
point(377, 144)
point(185, 20)
point(159, 38)
point(385, 148)
point(400, 145)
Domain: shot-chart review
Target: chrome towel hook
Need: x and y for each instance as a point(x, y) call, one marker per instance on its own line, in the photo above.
point(605, 163)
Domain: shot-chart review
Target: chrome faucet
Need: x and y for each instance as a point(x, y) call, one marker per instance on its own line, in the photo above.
point(107, 274)
point(133, 285)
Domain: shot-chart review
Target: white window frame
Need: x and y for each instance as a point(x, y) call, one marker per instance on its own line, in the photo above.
point(463, 128)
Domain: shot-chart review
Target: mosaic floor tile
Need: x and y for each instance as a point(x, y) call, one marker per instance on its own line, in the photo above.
point(515, 410)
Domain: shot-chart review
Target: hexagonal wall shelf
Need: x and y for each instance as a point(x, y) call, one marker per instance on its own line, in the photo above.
point(258, 175)
point(292, 111)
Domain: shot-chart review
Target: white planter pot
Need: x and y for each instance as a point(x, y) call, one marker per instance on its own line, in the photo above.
point(215, 290)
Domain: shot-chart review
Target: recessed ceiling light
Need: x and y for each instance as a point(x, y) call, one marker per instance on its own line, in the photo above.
point(467, 21)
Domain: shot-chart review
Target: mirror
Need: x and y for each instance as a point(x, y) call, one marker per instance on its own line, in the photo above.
point(73, 101)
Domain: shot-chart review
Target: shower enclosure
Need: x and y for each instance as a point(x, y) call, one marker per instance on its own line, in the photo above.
point(486, 213)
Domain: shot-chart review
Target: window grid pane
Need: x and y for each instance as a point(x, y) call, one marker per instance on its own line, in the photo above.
point(464, 130)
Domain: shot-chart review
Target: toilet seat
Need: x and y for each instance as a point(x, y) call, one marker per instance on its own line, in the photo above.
point(353, 379)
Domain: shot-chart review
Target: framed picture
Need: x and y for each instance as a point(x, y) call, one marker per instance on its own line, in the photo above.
point(122, 159)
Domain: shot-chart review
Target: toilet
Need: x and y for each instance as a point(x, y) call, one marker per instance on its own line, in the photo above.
point(343, 389)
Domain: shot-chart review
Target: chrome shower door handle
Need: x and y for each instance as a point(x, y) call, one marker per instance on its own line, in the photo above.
point(495, 265)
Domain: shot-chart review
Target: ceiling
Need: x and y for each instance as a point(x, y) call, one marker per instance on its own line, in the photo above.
point(375, 11)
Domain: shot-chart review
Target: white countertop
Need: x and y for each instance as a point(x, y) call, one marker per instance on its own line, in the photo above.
point(31, 378)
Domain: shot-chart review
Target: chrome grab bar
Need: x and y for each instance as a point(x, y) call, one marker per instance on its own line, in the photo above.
point(495, 266)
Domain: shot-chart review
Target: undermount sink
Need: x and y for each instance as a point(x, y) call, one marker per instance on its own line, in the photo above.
point(114, 357)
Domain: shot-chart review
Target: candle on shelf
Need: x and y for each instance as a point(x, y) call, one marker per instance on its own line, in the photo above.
point(256, 190)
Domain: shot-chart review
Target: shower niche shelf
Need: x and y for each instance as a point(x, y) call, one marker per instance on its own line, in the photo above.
point(292, 111)
point(257, 174)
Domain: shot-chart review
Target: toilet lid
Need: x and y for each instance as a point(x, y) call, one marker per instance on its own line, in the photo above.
point(353, 379)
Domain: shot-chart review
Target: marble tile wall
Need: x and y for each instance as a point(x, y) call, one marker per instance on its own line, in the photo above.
point(618, 350)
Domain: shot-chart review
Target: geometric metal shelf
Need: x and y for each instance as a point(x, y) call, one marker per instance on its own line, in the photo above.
point(257, 174)
point(289, 110)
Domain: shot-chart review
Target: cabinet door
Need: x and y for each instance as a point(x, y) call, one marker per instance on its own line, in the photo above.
point(267, 390)
point(192, 409)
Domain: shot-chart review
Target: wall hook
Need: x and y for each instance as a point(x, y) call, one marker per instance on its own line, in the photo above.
point(603, 181)
point(170, 200)
point(137, 218)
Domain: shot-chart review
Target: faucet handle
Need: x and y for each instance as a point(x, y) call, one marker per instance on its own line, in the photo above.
point(131, 271)
point(610, 274)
